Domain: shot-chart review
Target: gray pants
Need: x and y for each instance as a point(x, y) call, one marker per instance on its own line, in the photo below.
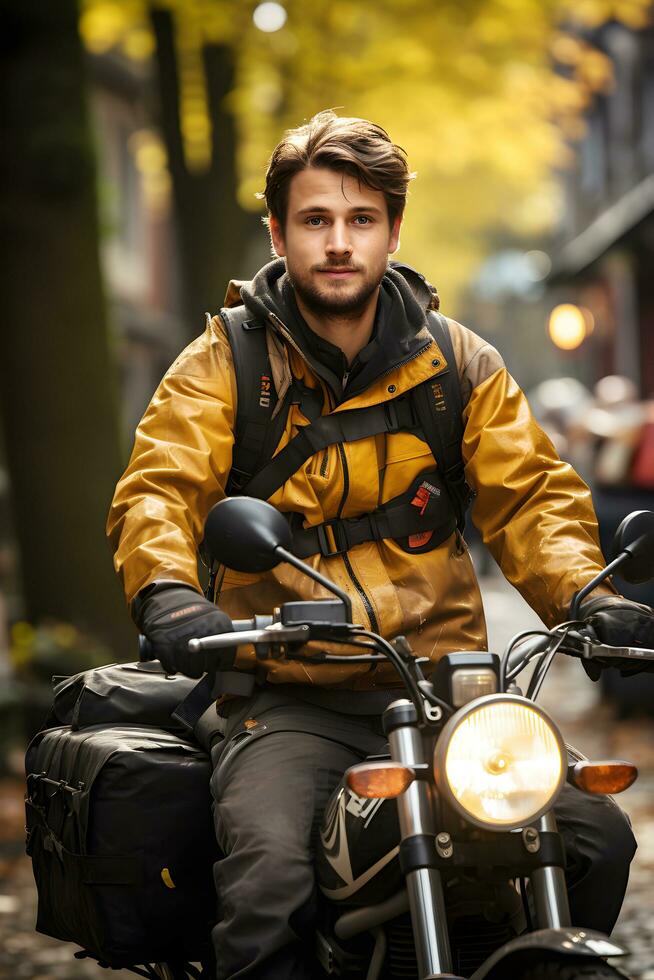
point(271, 783)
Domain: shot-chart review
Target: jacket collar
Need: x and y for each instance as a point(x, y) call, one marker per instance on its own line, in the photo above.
point(401, 334)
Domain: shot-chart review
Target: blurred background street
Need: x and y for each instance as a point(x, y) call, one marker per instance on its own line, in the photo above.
point(134, 136)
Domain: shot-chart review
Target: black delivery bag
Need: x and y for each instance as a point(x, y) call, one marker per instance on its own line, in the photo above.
point(120, 834)
point(132, 694)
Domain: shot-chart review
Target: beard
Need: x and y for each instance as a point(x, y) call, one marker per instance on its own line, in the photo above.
point(331, 299)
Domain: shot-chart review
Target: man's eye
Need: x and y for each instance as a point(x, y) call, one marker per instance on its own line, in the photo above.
point(314, 221)
point(362, 219)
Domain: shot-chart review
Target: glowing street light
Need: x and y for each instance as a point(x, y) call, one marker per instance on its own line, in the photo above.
point(269, 17)
point(569, 326)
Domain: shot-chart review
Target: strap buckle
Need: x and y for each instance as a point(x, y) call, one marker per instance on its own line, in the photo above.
point(390, 411)
point(399, 414)
point(236, 480)
point(339, 537)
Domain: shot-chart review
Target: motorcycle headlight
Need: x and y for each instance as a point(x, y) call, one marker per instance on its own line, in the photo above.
point(500, 762)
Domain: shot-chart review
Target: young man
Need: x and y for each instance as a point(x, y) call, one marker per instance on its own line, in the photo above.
point(346, 330)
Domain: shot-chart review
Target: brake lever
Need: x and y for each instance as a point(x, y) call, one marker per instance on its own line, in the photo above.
point(592, 651)
point(585, 645)
point(271, 634)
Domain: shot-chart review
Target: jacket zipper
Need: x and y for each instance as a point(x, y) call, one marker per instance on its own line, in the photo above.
point(367, 604)
point(406, 360)
point(328, 399)
point(346, 479)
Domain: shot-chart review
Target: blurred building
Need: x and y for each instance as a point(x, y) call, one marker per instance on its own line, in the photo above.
point(604, 245)
point(603, 253)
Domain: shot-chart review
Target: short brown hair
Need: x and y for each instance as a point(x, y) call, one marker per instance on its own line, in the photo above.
point(350, 146)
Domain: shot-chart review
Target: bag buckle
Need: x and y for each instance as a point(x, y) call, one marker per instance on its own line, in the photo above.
point(338, 535)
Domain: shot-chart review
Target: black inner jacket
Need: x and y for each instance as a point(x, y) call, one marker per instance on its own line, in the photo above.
point(399, 320)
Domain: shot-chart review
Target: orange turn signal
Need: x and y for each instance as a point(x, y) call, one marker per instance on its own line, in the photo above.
point(608, 776)
point(379, 780)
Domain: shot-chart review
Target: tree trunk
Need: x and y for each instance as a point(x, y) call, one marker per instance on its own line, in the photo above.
point(57, 392)
point(213, 230)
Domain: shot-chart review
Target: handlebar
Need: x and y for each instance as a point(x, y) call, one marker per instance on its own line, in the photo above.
point(267, 631)
point(276, 638)
point(574, 644)
point(257, 623)
point(263, 629)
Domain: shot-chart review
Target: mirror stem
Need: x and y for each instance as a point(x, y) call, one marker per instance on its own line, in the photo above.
point(285, 555)
point(579, 597)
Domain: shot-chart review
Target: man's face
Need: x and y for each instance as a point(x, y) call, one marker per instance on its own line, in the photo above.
point(336, 241)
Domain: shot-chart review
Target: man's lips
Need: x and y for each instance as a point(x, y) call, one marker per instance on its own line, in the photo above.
point(338, 273)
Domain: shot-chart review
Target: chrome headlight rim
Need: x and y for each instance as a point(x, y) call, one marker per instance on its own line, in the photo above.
point(442, 745)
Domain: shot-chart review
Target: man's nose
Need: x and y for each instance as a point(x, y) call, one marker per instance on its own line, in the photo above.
point(338, 242)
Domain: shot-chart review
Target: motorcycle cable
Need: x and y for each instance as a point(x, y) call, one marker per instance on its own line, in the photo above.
point(523, 635)
point(409, 682)
point(566, 627)
point(542, 668)
point(327, 658)
point(330, 658)
point(536, 682)
point(535, 655)
point(389, 654)
point(522, 884)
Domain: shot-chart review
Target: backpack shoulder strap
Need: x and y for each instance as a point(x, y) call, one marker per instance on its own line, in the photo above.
point(255, 432)
point(439, 407)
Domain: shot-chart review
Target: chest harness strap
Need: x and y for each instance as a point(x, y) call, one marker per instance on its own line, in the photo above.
point(435, 502)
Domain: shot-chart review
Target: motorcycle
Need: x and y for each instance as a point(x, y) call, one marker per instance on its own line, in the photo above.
point(442, 859)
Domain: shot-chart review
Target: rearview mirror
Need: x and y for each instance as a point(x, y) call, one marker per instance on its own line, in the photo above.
point(635, 537)
point(244, 533)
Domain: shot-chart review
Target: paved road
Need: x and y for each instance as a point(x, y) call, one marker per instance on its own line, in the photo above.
point(568, 694)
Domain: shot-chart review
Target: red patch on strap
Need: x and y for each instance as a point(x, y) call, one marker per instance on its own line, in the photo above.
point(421, 499)
point(417, 540)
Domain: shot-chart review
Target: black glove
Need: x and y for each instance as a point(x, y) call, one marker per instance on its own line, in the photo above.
point(618, 622)
point(173, 614)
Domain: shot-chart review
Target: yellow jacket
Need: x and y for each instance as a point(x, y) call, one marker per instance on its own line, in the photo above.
point(533, 511)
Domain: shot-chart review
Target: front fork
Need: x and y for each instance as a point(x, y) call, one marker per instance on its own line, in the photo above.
point(416, 812)
point(424, 884)
point(549, 887)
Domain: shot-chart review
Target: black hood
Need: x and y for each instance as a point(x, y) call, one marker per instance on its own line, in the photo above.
point(400, 324)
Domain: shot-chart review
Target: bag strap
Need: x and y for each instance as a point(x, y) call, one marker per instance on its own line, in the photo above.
point(346, 426)
point(256, 432)
point(424, 507)
point(94, 869)
point(438, 405)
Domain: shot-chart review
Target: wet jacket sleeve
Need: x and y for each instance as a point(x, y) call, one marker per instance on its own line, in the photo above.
point(178, 468)
point(533, 511)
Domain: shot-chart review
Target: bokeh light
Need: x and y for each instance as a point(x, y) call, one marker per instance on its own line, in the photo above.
point(269, 17)
point(569, 326)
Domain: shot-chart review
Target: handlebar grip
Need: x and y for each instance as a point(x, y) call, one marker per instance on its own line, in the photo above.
point(145, 649)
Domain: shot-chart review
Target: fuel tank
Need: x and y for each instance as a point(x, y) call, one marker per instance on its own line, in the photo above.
point(357, 856)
